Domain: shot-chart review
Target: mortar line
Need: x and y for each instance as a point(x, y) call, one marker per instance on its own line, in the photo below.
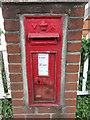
point(11, 32)
point(74, 41)
point(73, 63)
point(71, 73)
point(75, 29)
point(73, 52)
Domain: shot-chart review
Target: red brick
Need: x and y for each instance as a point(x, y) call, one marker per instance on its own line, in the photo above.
point(74, 47)
point(72, 68)
point(85, 32)
point(77, 11)
point(34, 9)
point(15, 77)
point(14, 58)
point(76, 23)
point(70, 94)
point(69, 9)
point(70, 110)
point(73, 57)
point(19, 116)
point(74, 35)
point(72, 116)
point(9, 12)
point(88, 17)
point(15, 68)
point(56, 116)
point(13, 48)
point(18, 102)
point(16, 86)
point(63, 116)
point(70, 102)
point(38, 116)
point(61, 9)
point(86, 24)
point(17, 94)
point(70, 86)
point(50, 110)
point(12, 37)
point(71, 77)
point(11, 25)
point(22, 110)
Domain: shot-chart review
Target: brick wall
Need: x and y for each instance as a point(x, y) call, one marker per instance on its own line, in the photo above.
point(86, 26)
point(75, 12)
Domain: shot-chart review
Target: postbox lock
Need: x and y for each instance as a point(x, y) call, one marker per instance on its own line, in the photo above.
point(38, 81)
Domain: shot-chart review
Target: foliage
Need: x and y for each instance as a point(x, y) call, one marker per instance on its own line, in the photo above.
point(85, 48)
point(5, 104)
point(85, 53)
point(83, 107)
point(4, 79)
point(83, 102)
point(88, 78)
point(6, 109)
point(1, 32)
point(0, 106)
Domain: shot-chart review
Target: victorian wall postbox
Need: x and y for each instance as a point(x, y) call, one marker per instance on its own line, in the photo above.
point(43, 36)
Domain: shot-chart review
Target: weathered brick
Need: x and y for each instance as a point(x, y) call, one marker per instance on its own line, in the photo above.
point(22, 110)
point(72, 68)
point(77, 11)
point(43, 8)
point(18, 102)
point(16, 77)
point(71, 77)
point(9, 12)
point(71, 94)
point(88, 18)
point(19, 116)
point(61, 8)
point(86, 24)
point(16, 86)
point(15, 68)
point(74, 47)
point(72, 116)
point(74, 35)
point(70, 102)
point(85, 32)
point(38, 116)
point(50, 110)
point(17, 94)
point(73, 58)
point(70, 86)
point(11, 25)
point(14, 58)
point(76, 23)
point(57, 116)
point(13, 48)
point(70, 110)
point(12, 37)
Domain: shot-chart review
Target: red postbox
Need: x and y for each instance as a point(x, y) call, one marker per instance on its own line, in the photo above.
point(43, 35)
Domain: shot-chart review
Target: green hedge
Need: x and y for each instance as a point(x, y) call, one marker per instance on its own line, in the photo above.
point(83, 107)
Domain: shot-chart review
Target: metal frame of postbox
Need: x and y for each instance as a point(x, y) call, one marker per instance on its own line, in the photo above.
point(54, 47)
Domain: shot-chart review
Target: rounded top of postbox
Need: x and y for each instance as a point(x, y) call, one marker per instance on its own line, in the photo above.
point(16, 1)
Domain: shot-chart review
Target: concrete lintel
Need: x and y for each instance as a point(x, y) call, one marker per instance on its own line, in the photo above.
point(16, 1)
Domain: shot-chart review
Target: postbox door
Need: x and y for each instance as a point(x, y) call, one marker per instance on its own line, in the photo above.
point(43, 59)
point(43, 76)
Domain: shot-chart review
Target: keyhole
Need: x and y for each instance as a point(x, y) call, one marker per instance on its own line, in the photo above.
point(38, 81)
